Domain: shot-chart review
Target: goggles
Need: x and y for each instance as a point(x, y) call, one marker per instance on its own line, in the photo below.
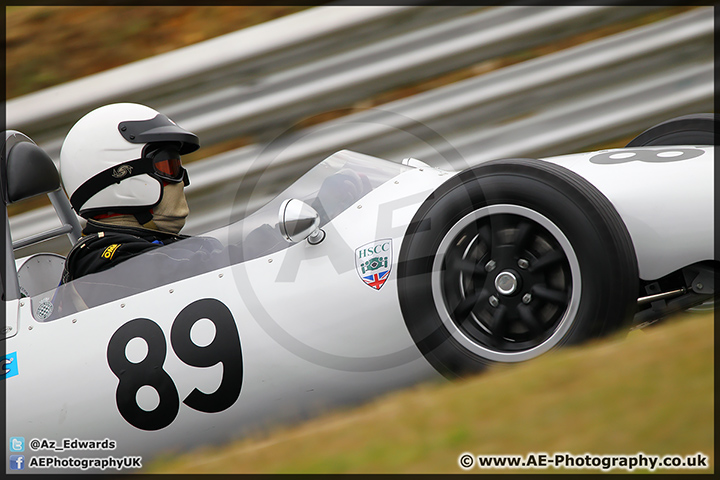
point(167, 165)
point(162, 162)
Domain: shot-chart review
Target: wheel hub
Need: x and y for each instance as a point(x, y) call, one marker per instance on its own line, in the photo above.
point(506, 283)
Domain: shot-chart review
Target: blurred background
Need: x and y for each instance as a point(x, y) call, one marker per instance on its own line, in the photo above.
point(271, 91)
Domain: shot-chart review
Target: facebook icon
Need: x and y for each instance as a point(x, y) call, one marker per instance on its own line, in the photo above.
point(17, 462)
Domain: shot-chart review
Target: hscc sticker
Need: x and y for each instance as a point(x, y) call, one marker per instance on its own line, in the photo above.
point(373, 262)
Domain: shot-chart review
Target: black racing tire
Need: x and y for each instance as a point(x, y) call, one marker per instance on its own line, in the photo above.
point(550, 233)
point(695, 129)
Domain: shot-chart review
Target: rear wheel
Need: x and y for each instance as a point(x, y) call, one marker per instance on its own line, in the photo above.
point(695, 129)
point(511, 259)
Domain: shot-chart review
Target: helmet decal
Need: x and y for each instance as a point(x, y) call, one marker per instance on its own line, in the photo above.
point(122, 171)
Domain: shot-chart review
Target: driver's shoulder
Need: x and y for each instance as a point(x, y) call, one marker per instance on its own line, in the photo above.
point(101, 250)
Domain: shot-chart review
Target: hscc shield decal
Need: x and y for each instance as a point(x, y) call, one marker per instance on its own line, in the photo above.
point(373, 262)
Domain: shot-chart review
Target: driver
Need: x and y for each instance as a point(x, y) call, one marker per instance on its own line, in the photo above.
point(120, 166)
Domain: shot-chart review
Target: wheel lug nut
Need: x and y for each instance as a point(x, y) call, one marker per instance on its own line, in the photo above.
point(490, 266)
point(527, 298)
point(493, 301)
point(522, 263)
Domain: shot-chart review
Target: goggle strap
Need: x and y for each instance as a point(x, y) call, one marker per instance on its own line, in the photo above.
point(108, 177)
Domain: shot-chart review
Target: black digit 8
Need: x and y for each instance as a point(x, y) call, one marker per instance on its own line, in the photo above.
point(650, 156)
point(225, 349)
point(149, 372)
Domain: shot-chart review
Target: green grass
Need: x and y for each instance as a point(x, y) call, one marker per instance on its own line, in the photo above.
point(649, 392)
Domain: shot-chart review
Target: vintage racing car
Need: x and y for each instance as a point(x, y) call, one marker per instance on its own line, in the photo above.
point(365, 275)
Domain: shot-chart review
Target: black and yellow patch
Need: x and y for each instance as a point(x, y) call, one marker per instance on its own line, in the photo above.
point(110, 251)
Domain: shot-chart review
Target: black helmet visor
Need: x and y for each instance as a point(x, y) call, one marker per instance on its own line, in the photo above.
point(159, 129)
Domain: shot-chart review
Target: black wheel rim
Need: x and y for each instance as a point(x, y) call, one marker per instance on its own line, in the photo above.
point(507, 281)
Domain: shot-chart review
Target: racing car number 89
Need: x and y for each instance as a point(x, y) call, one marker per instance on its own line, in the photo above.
point(224, 348)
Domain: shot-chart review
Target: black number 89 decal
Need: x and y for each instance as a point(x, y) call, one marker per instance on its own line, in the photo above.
point(225, 348)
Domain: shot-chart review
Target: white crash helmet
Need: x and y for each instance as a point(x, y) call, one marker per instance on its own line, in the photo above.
point(116, 158)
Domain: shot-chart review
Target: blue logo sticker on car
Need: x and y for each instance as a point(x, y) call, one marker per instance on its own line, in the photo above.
point(8, 366)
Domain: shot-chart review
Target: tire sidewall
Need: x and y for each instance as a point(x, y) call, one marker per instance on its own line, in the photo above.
point(694, 129)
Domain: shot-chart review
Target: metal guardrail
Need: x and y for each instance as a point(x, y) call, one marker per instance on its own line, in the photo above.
point(570, 99)
point(188, 68)
point(262, 80)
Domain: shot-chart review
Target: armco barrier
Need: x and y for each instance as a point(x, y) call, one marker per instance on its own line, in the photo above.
point(258, 82)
